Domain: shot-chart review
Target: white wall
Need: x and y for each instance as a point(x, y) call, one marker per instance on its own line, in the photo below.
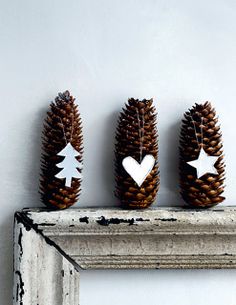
point(105, 51)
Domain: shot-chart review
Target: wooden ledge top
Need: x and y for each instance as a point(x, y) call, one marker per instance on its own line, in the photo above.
point(153, 220)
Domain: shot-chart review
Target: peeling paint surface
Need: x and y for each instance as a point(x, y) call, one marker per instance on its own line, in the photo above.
point(50, 248)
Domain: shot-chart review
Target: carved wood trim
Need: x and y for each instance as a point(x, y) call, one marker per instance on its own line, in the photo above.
point(51, 247)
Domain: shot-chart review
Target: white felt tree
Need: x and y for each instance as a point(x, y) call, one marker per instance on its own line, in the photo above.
point(70, 165)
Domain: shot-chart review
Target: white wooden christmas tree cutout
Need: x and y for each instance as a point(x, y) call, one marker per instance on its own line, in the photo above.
point(69, 165)
point(204, 164)
point(138, 171)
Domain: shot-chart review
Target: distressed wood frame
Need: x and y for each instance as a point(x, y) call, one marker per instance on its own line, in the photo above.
point(50, 247)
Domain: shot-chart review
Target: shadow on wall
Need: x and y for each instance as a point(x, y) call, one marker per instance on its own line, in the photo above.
point(170, 170)
point(33, 175)
point(108, 156)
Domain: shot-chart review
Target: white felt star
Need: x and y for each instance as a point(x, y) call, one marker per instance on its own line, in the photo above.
point(204, 164)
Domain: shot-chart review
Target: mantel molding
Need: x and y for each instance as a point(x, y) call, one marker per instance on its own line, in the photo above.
point(52, 246)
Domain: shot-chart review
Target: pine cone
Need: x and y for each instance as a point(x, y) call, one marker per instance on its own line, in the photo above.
point(136, 137)
point(62, 126)
point(200, 130)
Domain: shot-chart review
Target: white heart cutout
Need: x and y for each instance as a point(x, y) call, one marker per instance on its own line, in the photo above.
point(138, 171)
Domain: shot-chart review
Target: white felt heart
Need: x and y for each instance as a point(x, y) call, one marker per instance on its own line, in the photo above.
point(138, 171)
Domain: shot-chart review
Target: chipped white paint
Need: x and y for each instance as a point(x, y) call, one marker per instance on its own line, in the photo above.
point(41, 274)
point(51, 246)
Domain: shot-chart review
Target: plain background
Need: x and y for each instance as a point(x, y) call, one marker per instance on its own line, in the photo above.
point(104, 51)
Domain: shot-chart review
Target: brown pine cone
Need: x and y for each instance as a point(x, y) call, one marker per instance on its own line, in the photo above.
point(62, 126)
point(200, 129)
point(136, 137)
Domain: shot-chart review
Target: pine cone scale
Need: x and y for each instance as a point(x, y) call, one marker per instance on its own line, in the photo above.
point(200, 131)
point(136, 137)
point(62, 126)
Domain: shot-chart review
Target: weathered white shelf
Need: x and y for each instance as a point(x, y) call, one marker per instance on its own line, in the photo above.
point(50, 247)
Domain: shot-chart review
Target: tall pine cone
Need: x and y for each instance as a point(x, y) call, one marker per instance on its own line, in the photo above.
point(62, 126)
point(136, 137)
point(200, 129)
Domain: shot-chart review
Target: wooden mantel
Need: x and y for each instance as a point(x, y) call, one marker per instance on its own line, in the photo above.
point(50, 247)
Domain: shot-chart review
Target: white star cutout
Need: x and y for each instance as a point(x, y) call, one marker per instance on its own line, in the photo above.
point(204, 164)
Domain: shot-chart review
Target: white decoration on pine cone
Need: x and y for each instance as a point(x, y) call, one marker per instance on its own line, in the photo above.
point(69, 165)
point(139, 171)
point(204, 164)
